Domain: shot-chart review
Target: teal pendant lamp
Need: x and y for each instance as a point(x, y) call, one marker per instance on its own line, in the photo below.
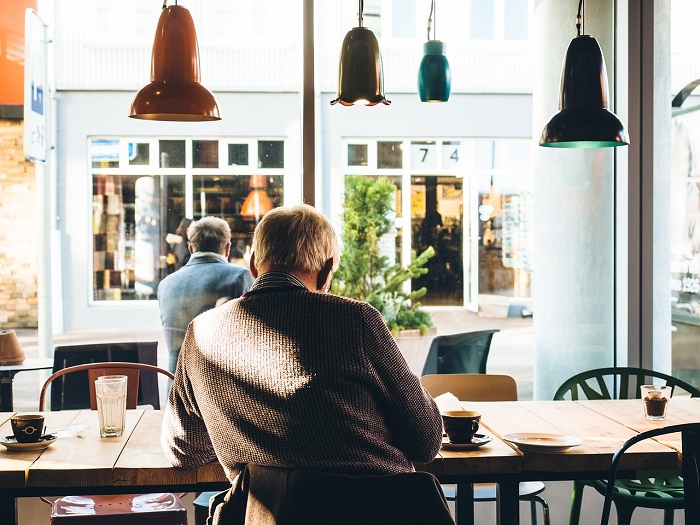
point(175, 93)
point(434, 75)
point(583, 120)
point(360, 74)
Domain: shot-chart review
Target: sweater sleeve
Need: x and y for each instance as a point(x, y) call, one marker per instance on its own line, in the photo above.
point(184, 437)
point(411, 414)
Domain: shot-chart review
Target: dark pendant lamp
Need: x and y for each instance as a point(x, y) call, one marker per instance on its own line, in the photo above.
point(434, 76)
point(175, 93)
point(360, 75)
point(583, 120)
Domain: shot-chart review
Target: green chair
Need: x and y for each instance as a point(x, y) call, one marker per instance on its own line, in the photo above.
point(654, 490)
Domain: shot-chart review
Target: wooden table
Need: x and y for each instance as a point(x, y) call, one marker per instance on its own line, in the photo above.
point(603, 426)
point(136, 463)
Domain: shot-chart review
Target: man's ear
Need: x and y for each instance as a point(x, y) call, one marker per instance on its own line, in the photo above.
point(323, 279)
point(190, 248)
point(253, 269)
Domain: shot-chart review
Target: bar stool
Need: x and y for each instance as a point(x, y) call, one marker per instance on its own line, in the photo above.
point(117, 509)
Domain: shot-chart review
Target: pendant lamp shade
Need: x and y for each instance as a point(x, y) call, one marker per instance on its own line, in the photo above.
point(360, 74)
point(434, 75)
point(175, 93)
point(258, 202)
point(583, 120)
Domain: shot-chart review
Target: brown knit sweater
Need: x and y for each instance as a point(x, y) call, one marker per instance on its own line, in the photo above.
point(291, 378)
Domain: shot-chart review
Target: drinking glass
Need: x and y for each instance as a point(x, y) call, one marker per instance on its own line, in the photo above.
point(111, 404)
point(655, 399)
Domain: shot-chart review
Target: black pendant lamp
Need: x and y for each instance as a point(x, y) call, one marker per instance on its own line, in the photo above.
point(583, 120)
point(175, 93)
point(360, 74)
point(434, 75)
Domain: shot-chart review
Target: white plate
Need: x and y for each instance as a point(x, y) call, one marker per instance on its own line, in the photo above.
point(10, 443)
point(477, 441)
point(531, 442)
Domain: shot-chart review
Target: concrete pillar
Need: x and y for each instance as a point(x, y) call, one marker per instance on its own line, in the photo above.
point(573, 282)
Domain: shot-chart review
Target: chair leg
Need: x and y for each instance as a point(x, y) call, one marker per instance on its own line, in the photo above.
point(533, 508)
point(624, 513)
point(668, 516)
point(576, 499)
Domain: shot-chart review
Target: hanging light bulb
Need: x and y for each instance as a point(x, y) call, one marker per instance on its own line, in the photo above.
point(434, 75)
point(360, 74)
point(175, 93)
point(583, 120)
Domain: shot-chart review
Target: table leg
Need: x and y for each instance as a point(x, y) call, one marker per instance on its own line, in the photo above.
point(6, 391)
point(464, 504)
point(8, 507)
point(508, 506)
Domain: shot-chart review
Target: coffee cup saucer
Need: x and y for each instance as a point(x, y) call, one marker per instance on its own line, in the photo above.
point(10, 443)
point(478, 440)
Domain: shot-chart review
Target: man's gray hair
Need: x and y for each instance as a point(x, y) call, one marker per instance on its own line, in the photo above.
point(209, 234)
point(296, 237)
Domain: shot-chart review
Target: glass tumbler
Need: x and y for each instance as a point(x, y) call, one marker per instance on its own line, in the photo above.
point(655, 398)
point(111, 404)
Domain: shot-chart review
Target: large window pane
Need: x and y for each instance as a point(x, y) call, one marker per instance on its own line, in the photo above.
point(131, 216)
point(227, 196)
point(481, 25)
point(437, 221)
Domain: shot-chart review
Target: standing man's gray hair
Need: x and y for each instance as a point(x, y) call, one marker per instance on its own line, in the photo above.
point(296, 237)
point(209, 234)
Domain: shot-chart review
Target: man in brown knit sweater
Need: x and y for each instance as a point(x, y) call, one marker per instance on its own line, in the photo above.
point(290, 376)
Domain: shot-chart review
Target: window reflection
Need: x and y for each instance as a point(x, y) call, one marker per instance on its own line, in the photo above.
point(131, 216)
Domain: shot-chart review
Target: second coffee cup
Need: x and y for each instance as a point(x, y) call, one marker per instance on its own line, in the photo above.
point(461, 425)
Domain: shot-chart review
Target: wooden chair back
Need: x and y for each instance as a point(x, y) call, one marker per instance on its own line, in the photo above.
point(95, 370)
point(472, 387)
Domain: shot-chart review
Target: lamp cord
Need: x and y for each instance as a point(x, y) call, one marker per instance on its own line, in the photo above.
point(430, 19)
point(579, 18)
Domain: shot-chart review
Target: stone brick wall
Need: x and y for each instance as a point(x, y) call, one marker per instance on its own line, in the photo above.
point(18, 231)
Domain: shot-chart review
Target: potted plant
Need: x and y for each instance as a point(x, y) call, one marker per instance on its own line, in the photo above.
point(364, 272)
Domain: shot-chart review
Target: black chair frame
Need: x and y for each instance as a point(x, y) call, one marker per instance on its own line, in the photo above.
point(690, 433)
point(463, 353)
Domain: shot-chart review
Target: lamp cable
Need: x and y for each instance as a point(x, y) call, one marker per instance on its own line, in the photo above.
point(430, 19)
point(579, 19)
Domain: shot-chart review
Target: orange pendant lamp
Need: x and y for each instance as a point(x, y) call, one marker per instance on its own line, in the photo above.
point(175, 93)
point(258, 202)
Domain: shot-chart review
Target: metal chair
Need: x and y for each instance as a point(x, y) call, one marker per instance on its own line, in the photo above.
point(71, 392)
point(464, 353)
point(690, 433)
point(657, 490)
point(486, 387)
point(136, 509)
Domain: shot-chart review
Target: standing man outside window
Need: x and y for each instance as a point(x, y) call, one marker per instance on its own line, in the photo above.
point(206, 281)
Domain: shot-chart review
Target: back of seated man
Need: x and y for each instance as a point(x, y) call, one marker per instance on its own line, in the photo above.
point(206, 281)
point(290, 376)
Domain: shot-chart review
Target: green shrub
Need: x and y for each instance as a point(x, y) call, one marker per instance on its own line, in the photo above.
point(365, 274)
